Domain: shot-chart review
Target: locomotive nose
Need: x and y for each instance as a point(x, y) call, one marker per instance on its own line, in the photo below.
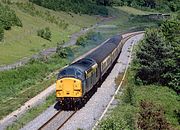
point(68, 87)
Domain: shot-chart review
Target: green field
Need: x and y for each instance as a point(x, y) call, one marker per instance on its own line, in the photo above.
point(23, 42)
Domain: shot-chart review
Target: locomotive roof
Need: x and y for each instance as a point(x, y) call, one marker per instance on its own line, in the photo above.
point(83, 64)
point(104, 50)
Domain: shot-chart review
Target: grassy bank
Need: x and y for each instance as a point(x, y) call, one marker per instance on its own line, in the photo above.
point(23, 41)
point(21, 84)
point(31, 114)
point(162, 103)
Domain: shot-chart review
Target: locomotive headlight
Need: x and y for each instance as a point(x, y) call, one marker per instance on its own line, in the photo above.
point(59, 84)
point(58, 93)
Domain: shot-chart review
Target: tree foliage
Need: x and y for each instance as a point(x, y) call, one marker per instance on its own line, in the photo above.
point(8, 18)
point(76, 6)
point(158, 56)
point(163, 5)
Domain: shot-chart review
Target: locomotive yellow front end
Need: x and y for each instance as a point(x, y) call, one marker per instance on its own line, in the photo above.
point(68, 88)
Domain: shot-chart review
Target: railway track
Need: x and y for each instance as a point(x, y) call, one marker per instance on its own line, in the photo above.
point(61, 117)
point(57, 121)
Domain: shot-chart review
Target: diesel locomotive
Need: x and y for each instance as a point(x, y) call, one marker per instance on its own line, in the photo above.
point(75, 81)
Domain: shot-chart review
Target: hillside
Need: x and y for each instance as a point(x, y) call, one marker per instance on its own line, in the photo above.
point(23, 41)
point(43, 28)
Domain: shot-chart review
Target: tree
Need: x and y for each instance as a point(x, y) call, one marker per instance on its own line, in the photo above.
point(151, 57)
point(171, 31)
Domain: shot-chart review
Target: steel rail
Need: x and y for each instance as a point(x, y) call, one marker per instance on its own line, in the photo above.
point(66, 120)
point(46, 123)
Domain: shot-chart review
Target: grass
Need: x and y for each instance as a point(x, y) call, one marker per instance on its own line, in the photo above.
point(20, 85)
point(125, 114)
point(32, 113)
point(23, 42)
point(134, 11)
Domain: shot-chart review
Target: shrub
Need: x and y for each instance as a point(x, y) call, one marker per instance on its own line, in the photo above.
point(151, 117)
point(8, 18)
point(129, 96)
point(44, 33)
point(91, 36)
point(81, 41)
point(61, 51)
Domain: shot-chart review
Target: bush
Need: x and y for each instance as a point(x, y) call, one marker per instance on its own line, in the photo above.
point(64, 52)
point(81, 41)
point(91, 36)
point(8, 18)
point(44, 33)
point(151, 117)
point(129, 96)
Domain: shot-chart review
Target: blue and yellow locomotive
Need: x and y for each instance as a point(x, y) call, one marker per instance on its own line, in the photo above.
point(75, 81)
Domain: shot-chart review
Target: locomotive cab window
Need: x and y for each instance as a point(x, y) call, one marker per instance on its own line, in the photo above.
point(71, 72)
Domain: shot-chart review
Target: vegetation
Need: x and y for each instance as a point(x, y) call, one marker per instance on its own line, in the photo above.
point(157, 57)
point(90, 36)
point(151, 117)
point(8, 19)
point(162, 5)
point(149, 100)
point(146, 107)
point(29, 80)
point(45, 33)
point(32, 113)
point(20, 42)
point(78, 6)
point(30, 8)
point(64, 52)
point(21, 84)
